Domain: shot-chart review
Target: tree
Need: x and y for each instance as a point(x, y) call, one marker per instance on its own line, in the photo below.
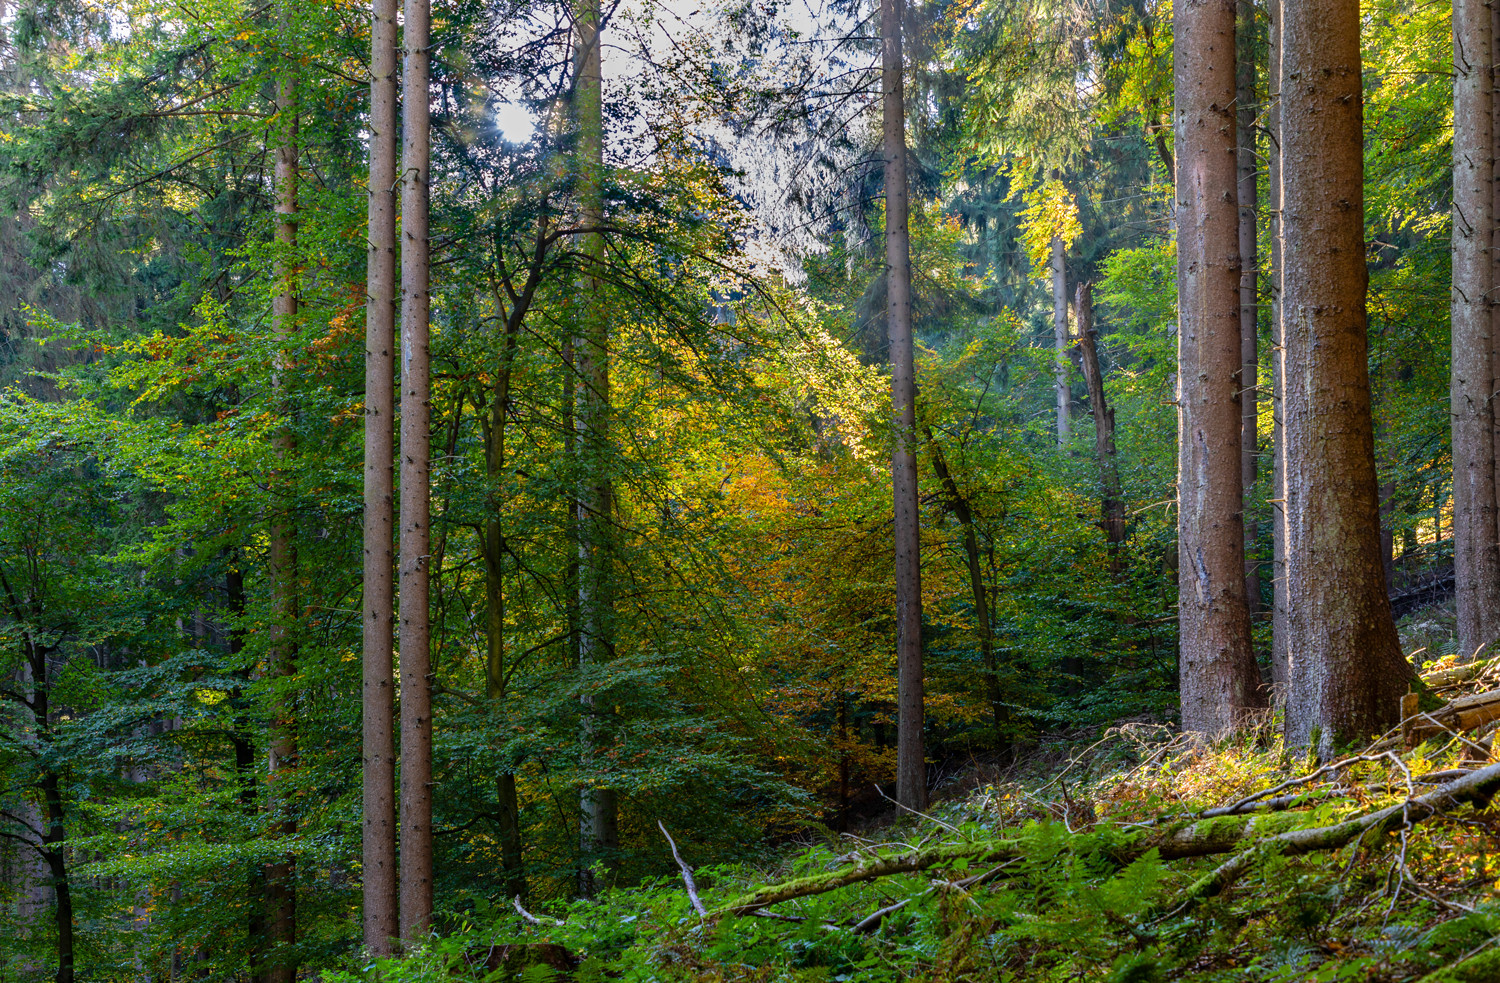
point(1280, 609)
point(281, 662)
point(911, 767)
point(1219, 680)
point(381, 907)
point(1246, 104)
point(416, 486)
point(1063, 388)
point(1348, 672)
point(1476, 535)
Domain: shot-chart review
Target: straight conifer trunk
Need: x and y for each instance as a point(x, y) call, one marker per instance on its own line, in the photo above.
point(1063, 390)
point(599, 837)
point(281, 895)
point(911, 765)
point(416, 487)
point(1112, 496)
point(1280, 612)
point(1348, 673)
point(381, 909)
point(1218, 677)
point(1476, 536)
point(1249, 179)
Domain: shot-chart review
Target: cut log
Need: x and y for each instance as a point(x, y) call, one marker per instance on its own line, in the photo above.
point(1464, 713)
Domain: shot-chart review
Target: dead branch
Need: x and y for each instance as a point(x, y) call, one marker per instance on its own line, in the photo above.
point(687, 873)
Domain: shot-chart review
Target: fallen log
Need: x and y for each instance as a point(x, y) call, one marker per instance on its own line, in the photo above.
point(1464, 713)
point(1249, 836)
point(1483, 967)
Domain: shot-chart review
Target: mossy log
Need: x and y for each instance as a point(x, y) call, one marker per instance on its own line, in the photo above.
point(1481, 968)
point(1250, 837)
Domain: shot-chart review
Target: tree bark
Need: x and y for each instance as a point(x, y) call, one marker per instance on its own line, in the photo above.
point(415, 867)
point(1112, 496)
point(599, 837)
point(911, 765)
point(1476, 536)
point(244, 766)
point(1063, 389)
point(1348, 673)
point(281, 894)
point(1248, 194)
point(1280, 611)
point(381, 910)
point(1218, 676)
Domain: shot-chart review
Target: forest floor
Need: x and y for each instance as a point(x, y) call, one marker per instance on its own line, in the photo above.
point(1129, 855)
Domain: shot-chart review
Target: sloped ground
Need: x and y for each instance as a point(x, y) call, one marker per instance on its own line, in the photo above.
point(1137, 855)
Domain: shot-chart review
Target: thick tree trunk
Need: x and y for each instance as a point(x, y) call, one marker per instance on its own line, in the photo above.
point(382, 921)
point(599, 837)
point(1280, 611)
point(1218, 676)
point(281, 894)
point(1063, 389)
point(54, 844)
point(1249, 177)
point(1111, 495)
point(1476, 536)
point(1348, 673)
point(416, 487)
point(984, 627)
point(911, 765)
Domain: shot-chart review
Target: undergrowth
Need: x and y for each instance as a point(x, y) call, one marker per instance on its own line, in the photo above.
point(1395, 908)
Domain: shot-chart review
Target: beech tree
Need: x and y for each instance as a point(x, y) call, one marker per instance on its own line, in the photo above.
point(1217, 674)
point(1347, 669)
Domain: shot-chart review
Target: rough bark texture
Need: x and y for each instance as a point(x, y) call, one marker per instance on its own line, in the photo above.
point(1249, 177)
point(281, 896)
point(599, 836)
point(911, 766)
point(1063, 389)
point(416, 488)
point(1347, 671)
point(1280, 612)
point(1112, 496)
point(381, 910)
point(1476, 536)
point(1219, 679)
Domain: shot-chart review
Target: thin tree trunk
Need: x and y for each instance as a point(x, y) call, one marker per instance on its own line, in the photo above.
point(416, 487)
point(1476, 536)
point(1280, 610)
point(244, 766)
point(381, 910)
point(1112, 496)
point(1348, 672)
point(281, 893)
point(507, 801)
point(1249, 177)
point(911, 766)
point(54, 846)
point(599, 837)
point(1062, 388)
point(1217, 672)
point(977, 591)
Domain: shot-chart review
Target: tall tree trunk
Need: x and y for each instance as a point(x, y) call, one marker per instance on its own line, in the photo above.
point(1218, 675)
point(1348, 673)
point(508, 817)
point(1249, 177)
point(281, 893)
point(985, 628)
point(54, 851)
point(1062, 388)
point(1280, 610)
point(1476, 536)
point(599, 837)
point(911, 765)
point(381, 909)
point(416, 486)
